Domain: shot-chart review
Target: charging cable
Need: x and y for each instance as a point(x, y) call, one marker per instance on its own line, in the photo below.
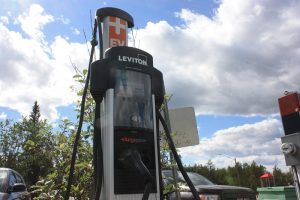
point(131, 158)
point(176, 157)
point(77, 136)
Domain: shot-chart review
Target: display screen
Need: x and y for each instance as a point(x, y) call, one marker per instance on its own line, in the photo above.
point(132, 99)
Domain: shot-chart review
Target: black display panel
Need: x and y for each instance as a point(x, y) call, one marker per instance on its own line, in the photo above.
point(133, 130)
point(132, 100)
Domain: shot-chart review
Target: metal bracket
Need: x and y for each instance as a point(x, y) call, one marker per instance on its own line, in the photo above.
point(289, 148)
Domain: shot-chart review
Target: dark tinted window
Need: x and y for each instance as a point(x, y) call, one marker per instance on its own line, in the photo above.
point(19, 179)
point(168, 177)
point(196, 179)
point(12, 179)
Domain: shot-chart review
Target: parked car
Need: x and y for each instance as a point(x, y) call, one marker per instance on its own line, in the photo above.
point(207, 190)
point(12, 185)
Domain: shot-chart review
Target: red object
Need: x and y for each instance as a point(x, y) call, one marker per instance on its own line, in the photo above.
point(266, 175)
point(289, 104)
point(117, 32)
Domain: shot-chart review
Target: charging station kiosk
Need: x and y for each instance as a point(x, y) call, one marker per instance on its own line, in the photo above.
point(130, 90)
point(128, 93)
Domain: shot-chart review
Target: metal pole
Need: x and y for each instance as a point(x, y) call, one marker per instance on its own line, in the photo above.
point(238, 172)
point(236, 167)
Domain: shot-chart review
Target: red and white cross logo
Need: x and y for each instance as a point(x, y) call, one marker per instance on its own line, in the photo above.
point(117, 24)
point(117, 32)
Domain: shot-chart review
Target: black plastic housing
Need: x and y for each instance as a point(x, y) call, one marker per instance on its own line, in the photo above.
point(128, 180)
point(115, 12)
point(128, 58)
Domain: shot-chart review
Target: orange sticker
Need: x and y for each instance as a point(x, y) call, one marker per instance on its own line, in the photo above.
point(117, 32)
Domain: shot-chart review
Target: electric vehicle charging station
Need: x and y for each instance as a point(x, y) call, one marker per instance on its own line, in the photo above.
point(289, 106)
point(128, 93)
point(130, 90)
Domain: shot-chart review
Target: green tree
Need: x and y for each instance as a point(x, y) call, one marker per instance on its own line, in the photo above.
point(37, 147)
point(254, 172)
point(217, 176)
point(26, 146)
point(227, 176)
point(281, 178)
point(53, 186)
point(220, 177)
point(11, 143)
point(35, 115)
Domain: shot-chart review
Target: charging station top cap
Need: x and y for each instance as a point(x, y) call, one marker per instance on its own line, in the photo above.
point(115, 12)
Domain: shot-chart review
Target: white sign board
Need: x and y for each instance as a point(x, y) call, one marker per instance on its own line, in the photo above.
point(183, 127)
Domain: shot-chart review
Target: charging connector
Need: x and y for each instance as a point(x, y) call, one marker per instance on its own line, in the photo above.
point(131, 159)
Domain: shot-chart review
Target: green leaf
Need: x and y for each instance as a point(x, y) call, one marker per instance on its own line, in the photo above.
point(61, 146)
point(84, 71)
point(77, 76)
point(30, 143)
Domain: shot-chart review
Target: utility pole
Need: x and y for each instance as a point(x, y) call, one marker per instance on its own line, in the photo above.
point(236, 167)
point(237, 171)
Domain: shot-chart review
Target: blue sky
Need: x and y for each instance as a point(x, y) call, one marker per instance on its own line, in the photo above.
point(229, 59)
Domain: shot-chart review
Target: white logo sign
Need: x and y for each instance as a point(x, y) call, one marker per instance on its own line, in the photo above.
point(132, 60)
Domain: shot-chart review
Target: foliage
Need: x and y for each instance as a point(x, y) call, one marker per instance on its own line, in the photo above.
point(54, 184)
point(26, 146)
point(249, 174)
point(167, 162)
point(281, 178)
point(38, 146)
point(11, 143)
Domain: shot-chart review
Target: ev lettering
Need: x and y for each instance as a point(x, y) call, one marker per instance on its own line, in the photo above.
point(114, 42)
point(117, 32)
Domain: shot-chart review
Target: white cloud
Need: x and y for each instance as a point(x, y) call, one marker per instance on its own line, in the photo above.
point(3, 115)
point(4, 20)
point(259, 142)
point(33, 70)
point(64, 20)
point(75, 31)
point(32, 23)
point(239, 62)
